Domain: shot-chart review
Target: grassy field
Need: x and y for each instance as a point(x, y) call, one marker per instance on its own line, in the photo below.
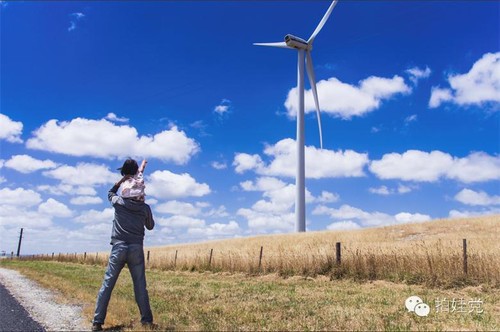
point(298, 284)
point(226, 301)
point(429, 253)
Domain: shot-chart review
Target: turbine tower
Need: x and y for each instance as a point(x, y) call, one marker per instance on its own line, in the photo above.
point(302, 46)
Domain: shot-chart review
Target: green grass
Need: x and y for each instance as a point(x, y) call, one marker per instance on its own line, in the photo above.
point(223, 301)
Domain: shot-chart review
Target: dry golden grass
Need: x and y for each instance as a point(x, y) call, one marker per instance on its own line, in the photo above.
point(232, 293)
point(428, 253)
point(224, 301)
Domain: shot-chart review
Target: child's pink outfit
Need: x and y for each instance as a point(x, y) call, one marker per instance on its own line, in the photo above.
point(134, 187)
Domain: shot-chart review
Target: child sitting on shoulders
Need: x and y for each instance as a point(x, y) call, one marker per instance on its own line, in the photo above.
point(134, 186)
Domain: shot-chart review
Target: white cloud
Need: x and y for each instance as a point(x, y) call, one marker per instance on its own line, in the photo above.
point(96, 217)
point(27, 164)
point(67, 189)
point(262, 222)
point(417, 74)
point(83, 174)
point(345, 100)
point(405, 217)
point(328, 197)
point(405, 189)
point(54, 208)
point(471, 197)
point(369, 219)
point(17, 209)
point(480, 85)
point(167, 185)
point(415, 165)
point(103, 139)
point(438, 96)
point(23, 216)
point(279, 200)
point(19, 197)
point(411, 118)
point(178, 208)
point(278, 196)
point(319, 163)
point(343, 225)
point(113, 117)
point(10, 130)
point(75, 17)
point(466, 214)
point(384, 190)
point(223, 107)
point(215, 230)
point(72, 26)
point(219, 165)
point(181, 222)
point(219, 212)
point(263, 184)
point(477, 167)
point(85, 200)
point(412, 165)
point(273, 212)
point(244, 162)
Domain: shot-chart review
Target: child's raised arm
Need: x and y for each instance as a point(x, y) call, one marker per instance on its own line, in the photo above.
point(143, 166)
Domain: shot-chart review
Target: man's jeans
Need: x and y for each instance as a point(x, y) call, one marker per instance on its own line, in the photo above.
point(133, 255)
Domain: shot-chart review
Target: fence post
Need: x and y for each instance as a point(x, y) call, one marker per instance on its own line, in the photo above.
point(52, 256)
point(210, 259)
point(260, 257)
point(175, 259)
point(84, 256)
point(465, 255)
point(148, 257)
point(19, 244)
point(338, 254)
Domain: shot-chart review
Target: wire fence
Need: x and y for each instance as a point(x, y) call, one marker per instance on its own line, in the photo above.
point(454, 265)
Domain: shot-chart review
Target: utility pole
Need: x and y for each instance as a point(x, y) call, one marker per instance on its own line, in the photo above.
point(19, 245)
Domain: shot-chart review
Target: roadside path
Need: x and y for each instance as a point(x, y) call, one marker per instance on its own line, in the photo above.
point(39, 303)
point(13, 316)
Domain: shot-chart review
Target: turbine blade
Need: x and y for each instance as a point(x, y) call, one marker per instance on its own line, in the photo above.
point(322, 22)
point(279, 44)
point(312, 81)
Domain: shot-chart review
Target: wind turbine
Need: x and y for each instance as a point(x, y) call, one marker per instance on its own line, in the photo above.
point(302, 46)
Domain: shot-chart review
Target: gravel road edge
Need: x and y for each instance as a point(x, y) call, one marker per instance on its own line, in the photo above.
point(41, 303)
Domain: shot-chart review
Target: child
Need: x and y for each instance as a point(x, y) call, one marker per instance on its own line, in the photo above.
point(134, 186)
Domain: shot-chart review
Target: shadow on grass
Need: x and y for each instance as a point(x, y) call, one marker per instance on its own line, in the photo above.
point(154, 327)
point(115, 328)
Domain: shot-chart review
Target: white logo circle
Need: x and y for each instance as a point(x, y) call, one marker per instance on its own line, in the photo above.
point(412, 302)
point(422, 309)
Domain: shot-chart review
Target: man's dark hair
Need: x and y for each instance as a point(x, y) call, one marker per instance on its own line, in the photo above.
point(129, 167)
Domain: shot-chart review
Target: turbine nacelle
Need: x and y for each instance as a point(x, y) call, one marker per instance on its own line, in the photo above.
point(297, 43)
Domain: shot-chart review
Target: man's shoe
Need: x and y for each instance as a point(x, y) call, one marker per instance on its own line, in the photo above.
point(96, 327)
point(149, 325)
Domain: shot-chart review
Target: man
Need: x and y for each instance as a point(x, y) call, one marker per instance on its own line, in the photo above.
point(131, 216)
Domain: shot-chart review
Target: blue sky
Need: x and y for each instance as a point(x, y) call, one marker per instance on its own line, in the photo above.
point(409, 92)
